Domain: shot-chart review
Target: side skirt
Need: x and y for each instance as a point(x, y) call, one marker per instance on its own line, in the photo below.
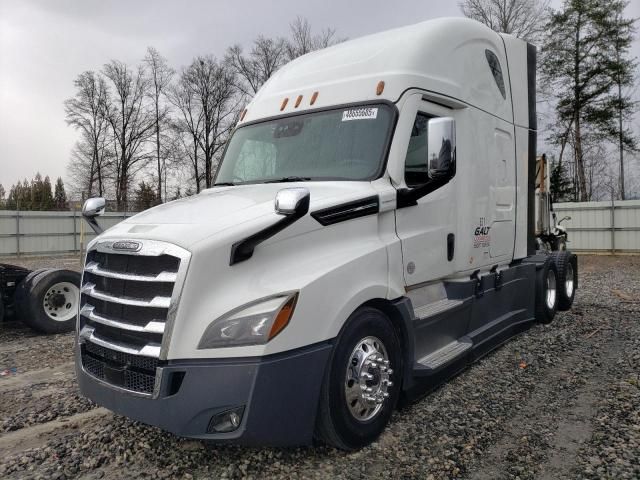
point(484, 313)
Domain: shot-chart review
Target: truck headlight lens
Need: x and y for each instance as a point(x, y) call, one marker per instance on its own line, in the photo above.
point(252, 324)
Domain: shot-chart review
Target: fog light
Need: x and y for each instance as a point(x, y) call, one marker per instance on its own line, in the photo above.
point(227, 421)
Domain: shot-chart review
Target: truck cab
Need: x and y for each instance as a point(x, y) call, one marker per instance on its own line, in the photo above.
point(370, 233)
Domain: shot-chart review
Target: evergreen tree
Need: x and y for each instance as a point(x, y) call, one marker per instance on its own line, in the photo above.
point(47, 195)
point(37, 192)
point(561, 188)
point(623, 78)
point(60, 196)
point(145, 196)
point(2, 194)
point(24, 196)
point(579, 66)
point(12, 198)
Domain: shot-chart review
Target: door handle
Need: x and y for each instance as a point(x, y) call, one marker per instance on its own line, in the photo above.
point(451, 242)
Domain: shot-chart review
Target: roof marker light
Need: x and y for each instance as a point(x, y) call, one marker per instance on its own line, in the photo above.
point(284, 104)
point(244, 112)
point(380, 88)
point(313, 97)
point(298, 100)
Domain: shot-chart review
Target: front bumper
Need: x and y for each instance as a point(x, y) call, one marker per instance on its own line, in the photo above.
point(279, 393)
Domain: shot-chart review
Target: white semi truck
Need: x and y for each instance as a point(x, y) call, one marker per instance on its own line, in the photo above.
point(370, 234)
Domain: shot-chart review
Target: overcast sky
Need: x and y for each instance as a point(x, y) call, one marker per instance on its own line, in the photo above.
point(45, 44)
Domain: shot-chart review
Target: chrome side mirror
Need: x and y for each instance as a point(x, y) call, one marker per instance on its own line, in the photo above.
point(293, 201)
point(441, 149)
point(92, 208)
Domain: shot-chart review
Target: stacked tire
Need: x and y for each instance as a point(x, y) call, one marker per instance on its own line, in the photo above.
point(47, 300)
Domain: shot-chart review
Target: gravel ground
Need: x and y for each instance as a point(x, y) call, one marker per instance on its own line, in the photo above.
point(560, 401)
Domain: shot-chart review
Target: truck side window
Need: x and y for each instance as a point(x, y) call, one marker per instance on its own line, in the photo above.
point(416, 165)
point(496, 71)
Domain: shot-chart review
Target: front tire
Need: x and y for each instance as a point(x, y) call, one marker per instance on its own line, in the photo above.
point(362, 382)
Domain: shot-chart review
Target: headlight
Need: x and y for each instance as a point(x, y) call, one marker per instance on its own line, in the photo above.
point(252, 324)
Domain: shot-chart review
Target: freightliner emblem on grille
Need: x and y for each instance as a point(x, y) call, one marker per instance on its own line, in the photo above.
point(127, 246)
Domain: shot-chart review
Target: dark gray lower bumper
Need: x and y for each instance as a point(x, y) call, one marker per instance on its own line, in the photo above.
point(280, 394)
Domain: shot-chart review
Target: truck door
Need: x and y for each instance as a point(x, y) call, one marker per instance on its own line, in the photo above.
point(426, 226)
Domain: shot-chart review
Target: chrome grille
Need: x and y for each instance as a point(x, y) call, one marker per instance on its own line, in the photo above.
point(128, 300)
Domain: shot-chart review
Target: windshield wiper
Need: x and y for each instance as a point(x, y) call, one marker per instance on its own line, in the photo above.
point(224, 184)
point(288, 179)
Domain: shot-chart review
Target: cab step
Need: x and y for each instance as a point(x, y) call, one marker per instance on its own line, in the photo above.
point(445, 355)
point(434, 308)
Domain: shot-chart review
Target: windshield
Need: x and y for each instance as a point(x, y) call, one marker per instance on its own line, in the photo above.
point(342, 144)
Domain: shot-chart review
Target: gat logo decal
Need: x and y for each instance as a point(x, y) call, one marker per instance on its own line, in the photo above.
point(481, 237)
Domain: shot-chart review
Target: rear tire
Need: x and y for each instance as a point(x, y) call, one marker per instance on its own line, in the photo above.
point(367, 355)
point(51, 300)
point(20, 297)
point(567, 265)
point(546, 291)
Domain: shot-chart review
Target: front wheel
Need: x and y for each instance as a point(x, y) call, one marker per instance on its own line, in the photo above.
point(362, 383)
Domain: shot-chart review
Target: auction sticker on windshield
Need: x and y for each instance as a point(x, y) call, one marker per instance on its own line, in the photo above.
point(359, 114)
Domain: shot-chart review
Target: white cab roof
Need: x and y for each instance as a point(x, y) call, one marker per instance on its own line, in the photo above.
point(445, 55)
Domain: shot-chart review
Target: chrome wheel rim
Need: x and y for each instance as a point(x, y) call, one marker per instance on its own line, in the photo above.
point(568, 280)
point(368, 379)
point(61, 301)
point(551, 289)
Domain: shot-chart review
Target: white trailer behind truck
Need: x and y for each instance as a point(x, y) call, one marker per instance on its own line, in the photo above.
point(371, 232)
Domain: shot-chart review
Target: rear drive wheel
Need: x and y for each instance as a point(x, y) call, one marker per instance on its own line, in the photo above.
point(20, 297)
point(362, 382)
point(567, 265)
point(52, 301)
point(546, 291)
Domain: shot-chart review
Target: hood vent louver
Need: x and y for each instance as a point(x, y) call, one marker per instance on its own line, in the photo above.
point(348, 211)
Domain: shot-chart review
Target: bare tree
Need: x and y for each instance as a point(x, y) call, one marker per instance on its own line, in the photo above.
point(303, 40)
point(160, 75)
point(85, 179)
point(214, 94)
point(265, 57)
point(187, 125)
point(132, 123)
point(523, 18)
point(85, 113)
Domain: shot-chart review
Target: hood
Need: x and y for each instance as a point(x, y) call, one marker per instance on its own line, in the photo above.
point(192, 219)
